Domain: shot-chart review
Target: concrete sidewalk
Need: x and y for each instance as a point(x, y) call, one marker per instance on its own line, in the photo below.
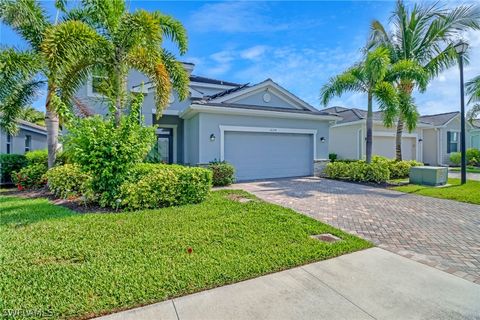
point(370, 284)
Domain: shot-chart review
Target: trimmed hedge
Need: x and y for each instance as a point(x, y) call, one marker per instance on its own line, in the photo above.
point(358, 171)
point(160, 185)
point(37, 157)
point(473, 157)
point(30, 177)
point(68, 181)
point(223, 173)
point(10, 163)
point(380, 170)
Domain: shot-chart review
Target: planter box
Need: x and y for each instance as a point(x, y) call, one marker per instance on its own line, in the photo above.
point(430, 176)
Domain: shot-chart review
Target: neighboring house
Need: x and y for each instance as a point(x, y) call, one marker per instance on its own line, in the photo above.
point(29, 137)
point(263, 130)
point(435, 137)
point(475, 134)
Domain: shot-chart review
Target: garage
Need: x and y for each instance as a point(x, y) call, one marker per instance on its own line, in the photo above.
point(385, 146)
point(265, 155)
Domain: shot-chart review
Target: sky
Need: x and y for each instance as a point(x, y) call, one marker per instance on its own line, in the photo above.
point(298, 44)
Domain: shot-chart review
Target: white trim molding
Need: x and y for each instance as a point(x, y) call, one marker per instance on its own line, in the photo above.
point(267, 130)
point(174, 127)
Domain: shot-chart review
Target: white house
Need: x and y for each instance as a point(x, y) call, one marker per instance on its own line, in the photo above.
point(435, 137)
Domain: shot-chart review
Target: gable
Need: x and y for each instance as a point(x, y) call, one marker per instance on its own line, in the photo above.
point(265, 94)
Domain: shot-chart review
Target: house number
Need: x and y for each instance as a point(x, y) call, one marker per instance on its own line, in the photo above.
point(273, 130)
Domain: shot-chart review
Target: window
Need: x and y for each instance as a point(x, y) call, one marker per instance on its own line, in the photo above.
point(9, 143)
point(94, 84)
point(452, 141)
point(28, 143)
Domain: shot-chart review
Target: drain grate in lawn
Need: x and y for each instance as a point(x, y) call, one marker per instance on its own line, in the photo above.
point(82, 265)
point(326, 237)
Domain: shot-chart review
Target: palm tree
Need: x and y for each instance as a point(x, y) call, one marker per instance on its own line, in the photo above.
point(32, 115)
point(473, 90)
point(368, 77)
point(119, 41)
point(423, 35)
point(18, 85)
point(30, 21)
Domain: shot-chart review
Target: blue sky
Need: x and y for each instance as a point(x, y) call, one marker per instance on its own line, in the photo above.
point(297, 44)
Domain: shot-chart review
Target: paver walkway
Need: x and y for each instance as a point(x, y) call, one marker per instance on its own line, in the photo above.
point(370, 284)
point(444, 234)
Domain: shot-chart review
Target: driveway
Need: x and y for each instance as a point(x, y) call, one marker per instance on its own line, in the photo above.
point(440, 233)
point(369, 284)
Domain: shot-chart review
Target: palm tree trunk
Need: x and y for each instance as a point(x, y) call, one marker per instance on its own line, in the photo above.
point(398, 140)
point(369, 143)
point(51, 122)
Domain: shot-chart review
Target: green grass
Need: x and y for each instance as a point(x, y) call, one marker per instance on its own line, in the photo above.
point(469, 169)
point(469, 192)
point(77, 265)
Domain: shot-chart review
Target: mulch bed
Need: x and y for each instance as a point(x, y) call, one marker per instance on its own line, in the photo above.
point(74, 204)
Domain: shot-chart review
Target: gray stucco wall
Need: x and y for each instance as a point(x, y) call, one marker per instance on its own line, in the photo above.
point(38, 141)
point(191, 132)
point(210, 123)
point(257, 100)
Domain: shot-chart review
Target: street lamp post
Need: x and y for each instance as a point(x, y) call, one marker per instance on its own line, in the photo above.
point(461, 47)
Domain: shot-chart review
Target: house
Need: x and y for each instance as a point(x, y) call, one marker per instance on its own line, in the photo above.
point(264, 130)
point(435, 137)
point(29, 137)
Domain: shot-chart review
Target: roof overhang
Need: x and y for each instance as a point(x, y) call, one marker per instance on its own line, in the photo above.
point(362, 121)
point(194, 109)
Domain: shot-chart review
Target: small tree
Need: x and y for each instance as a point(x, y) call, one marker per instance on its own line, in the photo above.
point(107, 150)
point(368, 77)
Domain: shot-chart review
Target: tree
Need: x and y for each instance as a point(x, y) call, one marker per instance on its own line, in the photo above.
point(119, 41)
point(423, 35)
point(32, 115)
point(30, 21)
point(368, 77)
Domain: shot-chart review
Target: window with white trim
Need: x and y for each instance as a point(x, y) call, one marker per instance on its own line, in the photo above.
point(94, 83)
point(28, 143)
point(452, 141)
point(9, 143)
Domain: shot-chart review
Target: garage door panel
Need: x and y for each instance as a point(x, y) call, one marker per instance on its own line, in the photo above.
point(263, 155)
point(385, 146)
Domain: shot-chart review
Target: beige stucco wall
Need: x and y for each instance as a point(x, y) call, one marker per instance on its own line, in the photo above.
point(344, 141)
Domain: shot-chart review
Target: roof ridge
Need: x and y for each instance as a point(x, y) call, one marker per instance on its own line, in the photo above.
point(439, 114)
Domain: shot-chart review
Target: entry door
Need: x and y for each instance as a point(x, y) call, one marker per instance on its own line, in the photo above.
point(165, 144)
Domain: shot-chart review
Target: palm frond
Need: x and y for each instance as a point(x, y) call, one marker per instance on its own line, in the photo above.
point(473, 89)
point(408, 110)
point(409, 70)
point(177, 73)
point(473, 113)
point(377, 63)
point(174, 31)
point(340, 84)
point(387, 99)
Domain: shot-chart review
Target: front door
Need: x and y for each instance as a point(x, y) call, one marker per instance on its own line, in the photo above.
point(165, 144)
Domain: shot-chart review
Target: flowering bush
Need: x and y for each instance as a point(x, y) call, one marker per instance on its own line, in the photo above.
point(223, 173)
point(30, 177)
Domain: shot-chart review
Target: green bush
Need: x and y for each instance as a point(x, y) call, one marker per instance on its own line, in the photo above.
point(223, 173)
point(67, 181)
point(30, 177)
point(332, 156)
point(109, 151)
point(10, 163)
point(159, 185)
point(358, 171)
point(337, 170)
point(456, 158)
point(37, 157)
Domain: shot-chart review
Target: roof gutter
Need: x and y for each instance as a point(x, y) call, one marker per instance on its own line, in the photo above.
point(193, 109)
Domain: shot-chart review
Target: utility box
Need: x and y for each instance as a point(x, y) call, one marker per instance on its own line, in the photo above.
point(430, 176)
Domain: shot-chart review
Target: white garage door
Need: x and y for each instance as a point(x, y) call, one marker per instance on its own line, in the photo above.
point(385, 146)
point(264, 155)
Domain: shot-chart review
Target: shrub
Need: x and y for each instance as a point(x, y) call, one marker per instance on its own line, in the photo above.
point(332, 157)
point(358, 171)
point(473, 156)
point(108, 151)
point(455, 158)
point(223, 173)
point(67, 181)
point(160, 185)
point(10, 163)
point(30, 177)
point(37, 157)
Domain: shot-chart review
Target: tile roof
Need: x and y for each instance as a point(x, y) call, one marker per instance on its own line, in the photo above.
point(195, 78)
point(439, 119)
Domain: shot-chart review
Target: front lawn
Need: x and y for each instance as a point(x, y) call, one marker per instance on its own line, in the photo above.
point(469, 192)
point(70, 265)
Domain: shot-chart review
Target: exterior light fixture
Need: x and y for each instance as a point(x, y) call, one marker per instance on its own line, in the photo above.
point(420, 140)
point(461, 47)
point(212, 137)
point(322, 139)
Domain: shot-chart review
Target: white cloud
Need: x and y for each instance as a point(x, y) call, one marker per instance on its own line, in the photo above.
point(253, 53)
point(234, 16)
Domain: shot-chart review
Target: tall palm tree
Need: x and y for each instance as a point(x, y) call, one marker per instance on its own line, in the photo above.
point(369, 77)
point(31, 22)
point(119, 41)
point(423, 34)
point(473, 90)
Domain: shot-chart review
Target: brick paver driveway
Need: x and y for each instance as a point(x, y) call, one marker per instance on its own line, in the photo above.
point(441, 233)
